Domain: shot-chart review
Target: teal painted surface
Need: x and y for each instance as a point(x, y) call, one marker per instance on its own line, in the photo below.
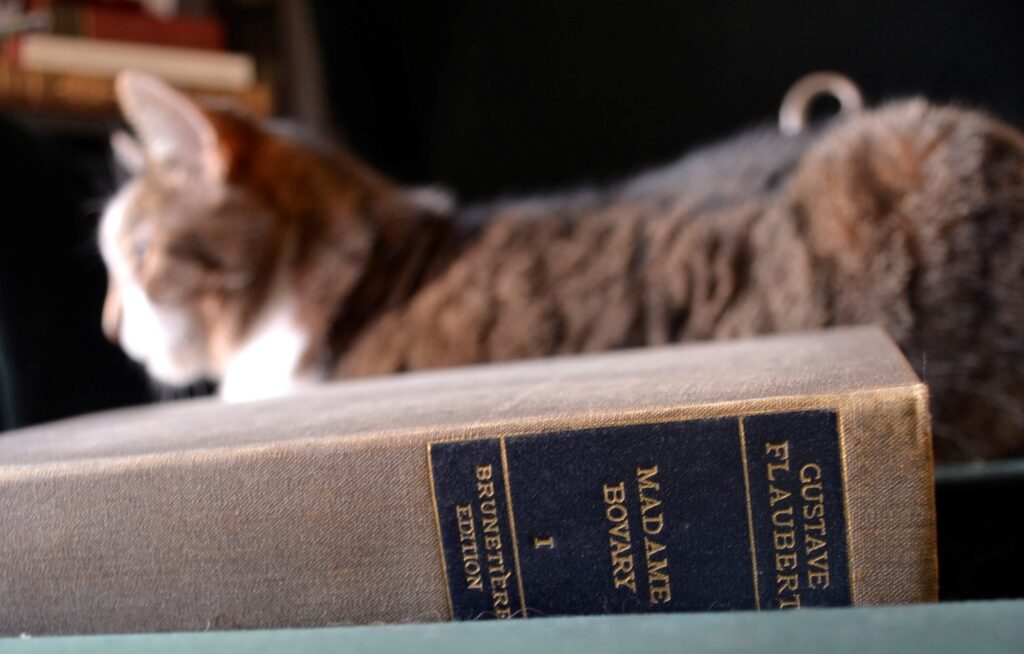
point(975, 628)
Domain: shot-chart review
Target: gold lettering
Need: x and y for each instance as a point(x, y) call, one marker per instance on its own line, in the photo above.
point(496, 562)
point(615, 494)
point(619, 543)
point(779, 452)
point(818, 580)
point(485, 489)
point(817, 527)
point(814, 511)
point(656, 571)
point(785, 540)
point(652, 547)
point(500, 598)
point(776, 495)
point(658, 579)
point(547, 542)
point(820, 562)
point(500, 582)
point(661, 594)
point(648, 503)
point(473, 579)
point(785, 562)
point(644, 476)
point(617, 513)
point(812, 492)
point(787, 582)
point(812, 544)
point(489, 524)
point(622, 565)
point(783, 517)
point(654, 524)
point(468, 547)
point(621, 528)
point(810, 472)
point(618, 547)
point(659, 588)
point(629, 581)
point(496, 572)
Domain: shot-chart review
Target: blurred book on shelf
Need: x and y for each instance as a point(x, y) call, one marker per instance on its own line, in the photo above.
point(60, 56)
point(118, 23)
point(45, 53)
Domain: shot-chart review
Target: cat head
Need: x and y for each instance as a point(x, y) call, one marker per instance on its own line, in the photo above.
point(230, 250)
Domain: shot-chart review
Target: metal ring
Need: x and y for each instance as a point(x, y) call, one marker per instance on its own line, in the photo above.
point(796, 104)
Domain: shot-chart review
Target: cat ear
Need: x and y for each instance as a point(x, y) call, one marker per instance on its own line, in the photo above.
point(128, 152)
point(171, 127)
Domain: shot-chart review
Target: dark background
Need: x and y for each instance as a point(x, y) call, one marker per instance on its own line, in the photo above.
point(503, 96)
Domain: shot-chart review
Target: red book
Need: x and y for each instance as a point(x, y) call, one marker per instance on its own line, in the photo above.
point(47, 4)
point(138, 27)
point(125, 20)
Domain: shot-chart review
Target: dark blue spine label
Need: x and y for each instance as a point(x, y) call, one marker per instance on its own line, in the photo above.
point(726, 513)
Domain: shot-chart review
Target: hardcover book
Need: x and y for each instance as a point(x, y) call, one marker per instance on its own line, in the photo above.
point(190, 67)
point(136, 26)
point(774, 473)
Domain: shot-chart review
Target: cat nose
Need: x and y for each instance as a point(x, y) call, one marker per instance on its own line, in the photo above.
point(112, 315)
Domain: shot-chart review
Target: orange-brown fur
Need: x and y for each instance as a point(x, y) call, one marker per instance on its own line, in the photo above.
point(911, 216)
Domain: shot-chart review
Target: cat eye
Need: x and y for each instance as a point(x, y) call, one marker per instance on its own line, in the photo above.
point(139, 248)
point(205, 257)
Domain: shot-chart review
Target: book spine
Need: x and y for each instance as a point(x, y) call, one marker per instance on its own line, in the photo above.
point(770, 504)
point(91, 57)
point(137, 27)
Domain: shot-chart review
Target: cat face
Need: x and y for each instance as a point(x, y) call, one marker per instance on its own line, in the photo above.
point(247, 257)
point(186, 252)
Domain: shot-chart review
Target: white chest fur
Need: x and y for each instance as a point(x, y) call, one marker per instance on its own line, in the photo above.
point(267, 362)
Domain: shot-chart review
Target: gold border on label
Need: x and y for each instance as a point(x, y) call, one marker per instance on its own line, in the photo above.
point(864, 590)
point(440, 537)
point(750, 515)
point(512, 524)
point(850, 576)
point(792, 405)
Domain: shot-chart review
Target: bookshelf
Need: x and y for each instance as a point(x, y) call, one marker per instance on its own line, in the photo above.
point(82, 104)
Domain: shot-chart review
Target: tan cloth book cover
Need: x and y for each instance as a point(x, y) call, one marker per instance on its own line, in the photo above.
point(779, 472)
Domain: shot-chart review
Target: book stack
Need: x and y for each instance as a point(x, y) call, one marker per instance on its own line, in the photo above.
point(62, 56)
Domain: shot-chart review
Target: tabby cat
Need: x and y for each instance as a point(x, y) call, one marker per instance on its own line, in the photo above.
point(264, 263)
